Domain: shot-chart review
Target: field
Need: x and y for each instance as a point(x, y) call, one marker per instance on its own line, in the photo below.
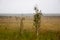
point(10, 28)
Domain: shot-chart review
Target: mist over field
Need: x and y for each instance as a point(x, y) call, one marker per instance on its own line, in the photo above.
point(29, 19)
point(29, 14)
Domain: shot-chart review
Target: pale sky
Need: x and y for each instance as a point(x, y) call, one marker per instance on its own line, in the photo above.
point(27, 6)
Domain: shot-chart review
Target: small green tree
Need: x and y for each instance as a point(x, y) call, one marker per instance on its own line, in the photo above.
point(37, 20)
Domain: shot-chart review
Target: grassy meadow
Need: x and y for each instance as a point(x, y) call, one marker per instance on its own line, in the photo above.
point(10, 28)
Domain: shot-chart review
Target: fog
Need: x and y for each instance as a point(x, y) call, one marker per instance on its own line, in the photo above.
point(27, 6)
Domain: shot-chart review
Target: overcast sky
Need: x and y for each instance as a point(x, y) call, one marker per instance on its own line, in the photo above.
point(27, 6)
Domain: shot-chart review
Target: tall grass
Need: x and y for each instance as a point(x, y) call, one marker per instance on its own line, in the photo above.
point(9, 34)
point(28, 35)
